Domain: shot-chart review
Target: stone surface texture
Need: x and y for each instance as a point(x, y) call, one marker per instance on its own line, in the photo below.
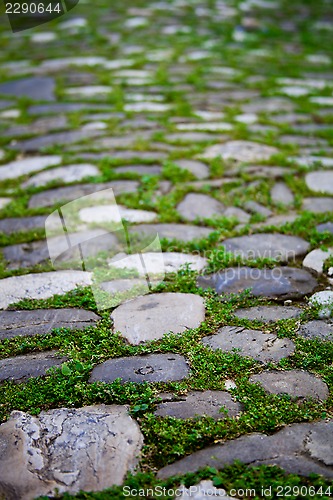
point(151, 316)
point(68, 450)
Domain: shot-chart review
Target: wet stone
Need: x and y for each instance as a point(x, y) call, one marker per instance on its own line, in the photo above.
point(267, 245)
point(279, 283)
point(301, 449)
point(151, 316)
point(268, 314)
point(296, 383)
point(22, 368)
point(240, 151)
point(317, 329)
point(42, 321)
point(180, 232)
point(263, 347)
point(40, 285)
point(67, 450)
point(69, 193)
point(36, 88)
point(197, 404)
point(199, 206)
point(149, 368)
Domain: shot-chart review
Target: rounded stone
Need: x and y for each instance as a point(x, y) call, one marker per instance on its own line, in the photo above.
point(279, 283)
point(67, 450)
point(139, 369)
point(151, 316)
point(241, 151)
point(296, 383)
point(267, 245)
point(157, 262)
point(197, 404)
point(324, 300)
point(199, 206)
point(263, 347)
point(320, 181)
point(315, 260)
point(268, 314)
point(317, 329)
point(40, 285)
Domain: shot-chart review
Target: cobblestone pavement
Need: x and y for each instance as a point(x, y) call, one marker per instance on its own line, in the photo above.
point(183, 319)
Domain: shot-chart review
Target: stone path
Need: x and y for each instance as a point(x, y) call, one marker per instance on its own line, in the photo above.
point(166, 220)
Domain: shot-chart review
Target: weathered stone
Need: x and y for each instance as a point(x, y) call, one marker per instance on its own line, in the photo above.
point(320, 181)
point(27, 165)
point(240, 151)
point(277, 221)
point(199, 169)
point(199, 206)
point(36, 88)
point(67, 450)
point(69, 193)
point(298, 448)
point(198, 403)
point(15, 225)
point(42, 321)
point(69, 173)
point(317, 329)
point(157, 262)
point(280, 283)
point(318, 205)
point(149, 368)
point(267, 245)
point(114, 213)
point(123, 285)
point(151, 316)
point(296, 383)
point(180, 232)
point(263, 347)
point(22, 368)
point(91, 242)
point(40, 286)
point(280, 193)
point(327, 226)
point(324, 300)
point(268, 314)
